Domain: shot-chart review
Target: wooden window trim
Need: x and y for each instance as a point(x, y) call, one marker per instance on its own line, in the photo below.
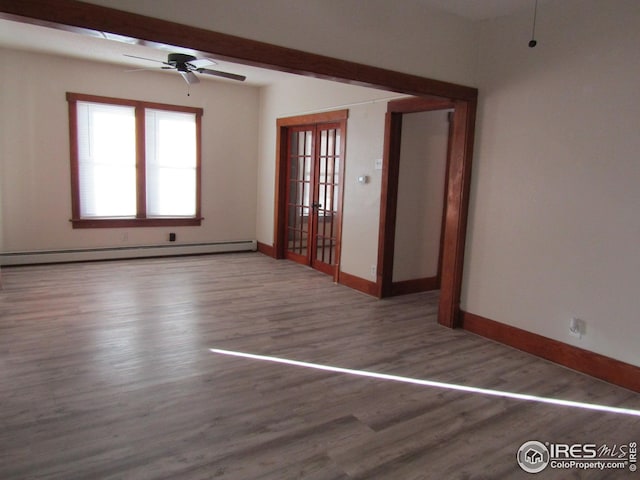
point(136, 222)
point(141, 219)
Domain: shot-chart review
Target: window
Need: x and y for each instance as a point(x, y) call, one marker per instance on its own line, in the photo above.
point(133, 163)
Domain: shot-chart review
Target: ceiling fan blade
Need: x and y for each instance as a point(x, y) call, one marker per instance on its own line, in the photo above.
point(190, 77)
point(218, 73)
point(144, 58)
point(201, 63)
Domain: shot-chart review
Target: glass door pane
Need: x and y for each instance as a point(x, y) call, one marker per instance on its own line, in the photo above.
point(326, 220)
point(300, 192)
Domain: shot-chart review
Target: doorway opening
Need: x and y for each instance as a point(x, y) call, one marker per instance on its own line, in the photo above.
point(457, 184)
point(422, 179)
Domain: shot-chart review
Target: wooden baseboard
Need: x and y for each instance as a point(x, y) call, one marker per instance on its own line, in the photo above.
point(415, 286)
point(265, 249)
point(357, 283)
point(594, 364)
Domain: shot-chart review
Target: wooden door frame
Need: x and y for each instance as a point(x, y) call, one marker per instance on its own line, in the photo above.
point(280, 201)
point(390, 182)
point(457, 178)
point(74, 16)
point(396, 109)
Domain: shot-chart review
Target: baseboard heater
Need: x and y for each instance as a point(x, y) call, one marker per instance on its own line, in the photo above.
point(113, 253)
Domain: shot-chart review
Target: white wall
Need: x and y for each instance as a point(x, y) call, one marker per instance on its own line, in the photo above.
point(554, 225)
point(35, 197)
point(365, 135)
point(423, 161)
point(405, 36)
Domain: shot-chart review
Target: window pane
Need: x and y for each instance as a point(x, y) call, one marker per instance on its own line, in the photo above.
point(106, 160)
point(170, 163)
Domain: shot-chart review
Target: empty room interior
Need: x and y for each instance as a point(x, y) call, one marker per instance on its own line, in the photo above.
point(319, 239)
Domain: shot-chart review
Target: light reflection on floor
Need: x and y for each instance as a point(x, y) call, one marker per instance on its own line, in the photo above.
point(432, 383)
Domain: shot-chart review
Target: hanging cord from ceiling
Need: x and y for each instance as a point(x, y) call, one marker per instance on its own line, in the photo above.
point(533, 42)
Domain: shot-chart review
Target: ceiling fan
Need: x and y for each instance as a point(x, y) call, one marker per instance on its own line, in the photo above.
point(188, 66)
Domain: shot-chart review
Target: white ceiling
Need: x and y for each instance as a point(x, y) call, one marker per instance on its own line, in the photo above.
point(111, 50)
point(480, 9)
point(22, 36)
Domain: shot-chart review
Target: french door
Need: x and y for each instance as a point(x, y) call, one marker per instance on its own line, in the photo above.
point(315, 164)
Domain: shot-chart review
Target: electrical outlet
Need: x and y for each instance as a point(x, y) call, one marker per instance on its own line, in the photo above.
point(373, 271)
point(577, 327)
point(125, 237)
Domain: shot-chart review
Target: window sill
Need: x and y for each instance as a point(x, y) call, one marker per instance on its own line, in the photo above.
point(135, 222)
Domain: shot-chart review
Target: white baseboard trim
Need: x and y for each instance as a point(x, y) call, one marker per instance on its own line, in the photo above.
point(113, 253)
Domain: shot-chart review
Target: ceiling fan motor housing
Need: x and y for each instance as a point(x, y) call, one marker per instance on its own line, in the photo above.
point(179, 60)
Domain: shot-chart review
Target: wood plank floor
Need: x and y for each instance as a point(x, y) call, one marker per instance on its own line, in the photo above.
point(106, 373)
